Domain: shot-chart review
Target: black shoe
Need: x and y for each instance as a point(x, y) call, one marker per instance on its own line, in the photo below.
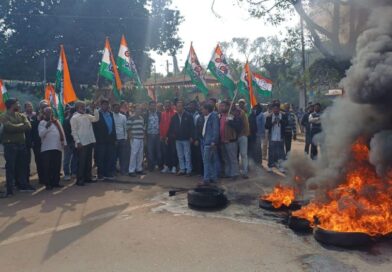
point(27, 189)
point(132, 175)
point(140, 173)
point(80, 183)
point(58, 186)
point(91, 181)
point(6, 194)
point(48, 188)
point(245, 176)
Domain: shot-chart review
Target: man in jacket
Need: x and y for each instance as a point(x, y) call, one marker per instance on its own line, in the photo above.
point(168, 146)
point(305, 123)
point(315, 128)
point(243, 141)
point(83, 134)
point(105, 135)
point(276, 124)
point(70, 160)
point(122, 148)
point(291, 128)
point(182, 130)
point(209, 142)
point(15, 125)
point(229, 128)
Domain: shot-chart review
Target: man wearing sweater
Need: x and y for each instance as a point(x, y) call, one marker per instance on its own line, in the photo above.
point(168, 146)
point(136, 129)
point(15, 153)
point(182, 130)
point(83, 134)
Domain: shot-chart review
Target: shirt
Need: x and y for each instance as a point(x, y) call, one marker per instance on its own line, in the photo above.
point(205, 124)
point(82, 129)
point(276, 130)
point(50, 137)
point(153, 123)
point(108, 121)
point(222, 127)
point(120, 123)
point(135, 126)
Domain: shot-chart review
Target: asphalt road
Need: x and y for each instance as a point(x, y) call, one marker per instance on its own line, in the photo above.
point(132, 225)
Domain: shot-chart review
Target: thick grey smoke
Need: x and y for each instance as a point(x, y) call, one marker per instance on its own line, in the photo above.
point(366, 111)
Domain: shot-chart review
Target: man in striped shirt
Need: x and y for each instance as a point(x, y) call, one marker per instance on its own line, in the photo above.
point(135, 126)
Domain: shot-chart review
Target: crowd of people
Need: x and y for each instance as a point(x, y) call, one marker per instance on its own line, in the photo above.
point(210, 139)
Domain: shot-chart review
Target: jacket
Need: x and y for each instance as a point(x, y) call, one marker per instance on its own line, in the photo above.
point(183, 130)
point(260, 123)
point(231, 130)
point(282, 123)
point(15, 127)
point(245, 131)
point(211, 134)
point(101, 131)
point(164, 122)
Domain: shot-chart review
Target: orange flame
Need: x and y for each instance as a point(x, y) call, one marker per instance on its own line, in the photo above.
point(281, 195)
point(363, 203)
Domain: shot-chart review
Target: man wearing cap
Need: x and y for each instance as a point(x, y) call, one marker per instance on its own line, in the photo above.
point(15, 153)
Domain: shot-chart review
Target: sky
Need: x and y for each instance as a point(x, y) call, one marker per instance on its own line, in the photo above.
point(205, 29)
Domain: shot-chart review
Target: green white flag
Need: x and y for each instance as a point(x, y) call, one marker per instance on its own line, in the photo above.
point(125, 63)
point(59, 88)
point(221, 70)
point(195, 71)
point(262, 85)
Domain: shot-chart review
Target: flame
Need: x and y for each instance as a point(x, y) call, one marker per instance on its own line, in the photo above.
point(281, 195)
point(362, 203)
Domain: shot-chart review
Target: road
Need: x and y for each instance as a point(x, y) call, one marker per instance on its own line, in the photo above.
point(133, 225)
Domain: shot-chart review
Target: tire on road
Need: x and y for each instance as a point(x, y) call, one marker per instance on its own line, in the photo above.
point(206, 198)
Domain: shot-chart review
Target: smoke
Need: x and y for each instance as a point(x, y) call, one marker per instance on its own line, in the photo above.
point(366, 111)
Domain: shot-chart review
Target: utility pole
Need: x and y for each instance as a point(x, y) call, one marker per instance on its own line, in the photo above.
point(44, 70)
point(303, 95)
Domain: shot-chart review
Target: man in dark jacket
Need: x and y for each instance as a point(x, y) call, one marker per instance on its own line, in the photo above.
point(70, 156)
point(105, 146)
point(315, 128)
point(209, 142)
point(276, 124)
point(182, 130)
point(152, 120)
point(305, 123)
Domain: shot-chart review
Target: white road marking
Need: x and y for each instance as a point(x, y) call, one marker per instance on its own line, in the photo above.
point(66, 226)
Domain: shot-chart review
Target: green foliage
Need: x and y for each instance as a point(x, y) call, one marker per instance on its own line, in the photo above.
point(39, 27)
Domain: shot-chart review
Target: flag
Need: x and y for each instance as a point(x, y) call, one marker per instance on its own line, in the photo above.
point(3, 96)
point(221, 70)
point(262, 85)
point(245, 86)
point(125, 63)
point(151, 93)
point(64, 89)
point(195, 71)
point(109, 70)
point(52, 98)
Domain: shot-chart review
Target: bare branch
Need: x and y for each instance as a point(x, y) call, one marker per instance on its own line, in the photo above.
point(213, 10)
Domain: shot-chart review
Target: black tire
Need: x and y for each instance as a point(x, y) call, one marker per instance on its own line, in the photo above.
point(299, 224)
point(206, 198)
point(267, 205)
point(342, 239)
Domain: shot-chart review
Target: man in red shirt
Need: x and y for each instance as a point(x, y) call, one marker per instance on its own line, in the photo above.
point(168, 145)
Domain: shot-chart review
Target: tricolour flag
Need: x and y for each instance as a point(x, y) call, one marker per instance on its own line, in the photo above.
point(221, 70)
point(195, 71)
point(262, 85)
point(3, 96)
point(64, 89)
point(109, 70)
point(125, 63)
point(245, 86)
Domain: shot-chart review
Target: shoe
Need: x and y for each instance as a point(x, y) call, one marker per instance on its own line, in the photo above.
point(140, 173)
point(27, 189)
point(80, 183)
point(48, 188)
point(73, 176)
point(245, 176)
point(100, 178)
point(281, 169)
point(132, 175)
point(58, 186)
point(269, 170)
point(174, 170)
point(67, 178)
point(6, 194)
point(109, 178)
point(91, 181)
point(165, 170)
point(180, 173)
point(189, 175)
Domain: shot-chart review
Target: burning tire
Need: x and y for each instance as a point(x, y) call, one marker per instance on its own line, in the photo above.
point(298, 224)
point(342, 239)
point(206, 198)
point(295, 205)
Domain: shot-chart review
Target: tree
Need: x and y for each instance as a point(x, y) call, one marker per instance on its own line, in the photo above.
point(33, 29)
point(334, 25)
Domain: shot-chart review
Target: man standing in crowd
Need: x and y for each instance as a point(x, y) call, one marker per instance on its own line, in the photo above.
point(168, 146)
point(267, 113)
point(153, 119)
point(256, 131)
point(15, 125)
point(83, 134)
point(70, 160)
point(291, 128)
point(315, 128)
point(229, 128)
point(30, 115)
point(196, 156)
point(135, 126)
point(105, 135)
point(305, 123)
point(120, 124)
point(209, 143)
point(53, 141)
point(182, 130)
point(243, 141)
point(276, 124)
point(242, 105)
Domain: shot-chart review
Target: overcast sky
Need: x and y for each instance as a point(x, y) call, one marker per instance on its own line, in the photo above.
point(205, 29)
